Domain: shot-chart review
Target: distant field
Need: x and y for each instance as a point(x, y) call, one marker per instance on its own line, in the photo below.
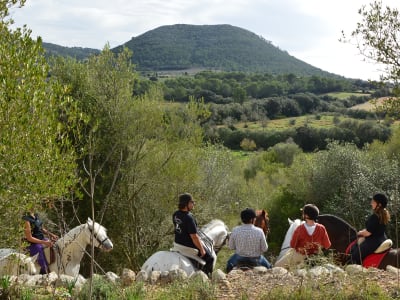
point(346, 95)
point(370, 105)
point(286, 123)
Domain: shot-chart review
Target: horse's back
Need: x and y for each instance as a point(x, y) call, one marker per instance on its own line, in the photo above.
point(166, 261)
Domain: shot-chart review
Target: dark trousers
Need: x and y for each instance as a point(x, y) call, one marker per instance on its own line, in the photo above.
point(359, 252)
point(209, 259)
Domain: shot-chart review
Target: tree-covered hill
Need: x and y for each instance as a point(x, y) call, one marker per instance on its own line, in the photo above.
point(211, 47)
point(75, 52)
point(221, 47)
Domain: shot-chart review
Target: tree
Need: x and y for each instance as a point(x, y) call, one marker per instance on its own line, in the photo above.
point(37, 160)
point(378, 40)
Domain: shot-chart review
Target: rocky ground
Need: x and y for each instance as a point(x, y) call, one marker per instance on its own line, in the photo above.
point(280, 285)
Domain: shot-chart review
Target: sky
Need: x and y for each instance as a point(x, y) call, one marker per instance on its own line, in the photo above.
point(307, 29)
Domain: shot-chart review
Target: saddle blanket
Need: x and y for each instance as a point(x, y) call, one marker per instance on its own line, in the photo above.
point(371, 261)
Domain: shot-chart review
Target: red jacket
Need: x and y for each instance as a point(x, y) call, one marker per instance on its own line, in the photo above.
point(304, 243)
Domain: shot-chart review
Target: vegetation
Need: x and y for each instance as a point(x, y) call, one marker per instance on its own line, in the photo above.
point(94, 138)
point(377, 39)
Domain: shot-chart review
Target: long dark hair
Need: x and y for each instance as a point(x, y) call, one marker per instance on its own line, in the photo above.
point(383, 214)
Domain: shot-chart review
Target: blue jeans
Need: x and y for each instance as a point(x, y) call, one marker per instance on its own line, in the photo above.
point(233, 261)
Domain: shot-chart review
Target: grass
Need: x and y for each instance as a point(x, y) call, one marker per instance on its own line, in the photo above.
point(319, 121)
point(334, 286)
point(347, 95)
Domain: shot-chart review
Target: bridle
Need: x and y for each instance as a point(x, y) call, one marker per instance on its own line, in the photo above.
point(101, 242)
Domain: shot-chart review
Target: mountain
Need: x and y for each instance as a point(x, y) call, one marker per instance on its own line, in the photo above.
point(76, 52)
point(219, 47)
point(212, 47)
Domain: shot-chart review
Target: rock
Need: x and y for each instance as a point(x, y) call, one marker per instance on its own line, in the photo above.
point(112, 277)
point(154, 277)
point(334, 269)
point(279, 271)
point(218, 276)
point(318, 271)
point(301, 273)
point(260, 270)
point(142, 276)
point(354, 269)
point(127, 277)
point(177, 274)
point(199, 275)
point(393, 270)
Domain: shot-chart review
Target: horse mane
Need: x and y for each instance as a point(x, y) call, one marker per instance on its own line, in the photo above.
point(212, 224)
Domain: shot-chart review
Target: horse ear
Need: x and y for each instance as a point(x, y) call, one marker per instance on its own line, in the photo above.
point(290, 221)
point(89, 221)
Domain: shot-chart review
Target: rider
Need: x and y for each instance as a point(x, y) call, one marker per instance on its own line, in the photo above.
point(248, 241)
point(34, 233)
point(187, 233)
point(374, 232)
point(308, 239)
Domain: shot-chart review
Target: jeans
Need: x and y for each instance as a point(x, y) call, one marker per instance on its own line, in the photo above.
point(233, 261)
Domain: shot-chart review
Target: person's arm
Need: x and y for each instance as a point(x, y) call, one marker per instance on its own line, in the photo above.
point(326, 242)
point(196, 241)
point(50, 234)
point(363, 233)
point(31, 239)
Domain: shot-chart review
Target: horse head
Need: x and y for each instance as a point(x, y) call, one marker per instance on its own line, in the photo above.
point(100, 237)
point(262, 221)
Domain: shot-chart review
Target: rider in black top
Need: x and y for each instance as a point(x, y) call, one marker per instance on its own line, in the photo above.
point(186, 232)
point(374, 232)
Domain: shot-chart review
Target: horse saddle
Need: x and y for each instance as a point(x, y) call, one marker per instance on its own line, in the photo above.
point(247, 263)
point(188, 252)
point(386, 245)
point(50, 254)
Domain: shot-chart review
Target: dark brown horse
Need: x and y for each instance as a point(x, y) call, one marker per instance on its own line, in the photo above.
point(342, 234)
point(262, 220)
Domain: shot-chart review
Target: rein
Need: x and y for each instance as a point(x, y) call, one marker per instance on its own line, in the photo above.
point(96, 237)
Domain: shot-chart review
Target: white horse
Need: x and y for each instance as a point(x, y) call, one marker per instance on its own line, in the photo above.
point(286, 242)
point(161, 261)
point(14, 263)
point(70, 248)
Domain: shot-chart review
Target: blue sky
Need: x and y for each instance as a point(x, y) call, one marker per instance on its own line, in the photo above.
point(307, 29)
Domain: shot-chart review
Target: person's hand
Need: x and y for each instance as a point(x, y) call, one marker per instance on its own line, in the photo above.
point(48, 243)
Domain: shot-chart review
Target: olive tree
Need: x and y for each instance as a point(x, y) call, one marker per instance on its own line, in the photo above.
point(37, 161)
point(377, 37)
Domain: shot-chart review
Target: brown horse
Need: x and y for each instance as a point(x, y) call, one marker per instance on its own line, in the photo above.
point(342, 234)
point(262, 221)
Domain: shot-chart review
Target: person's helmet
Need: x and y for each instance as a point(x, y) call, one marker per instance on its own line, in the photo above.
point(247, 214)
point(184, 200)
point(311, 211)
point(381, 199)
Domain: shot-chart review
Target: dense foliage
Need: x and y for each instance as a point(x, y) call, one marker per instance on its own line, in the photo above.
point(37, 161)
